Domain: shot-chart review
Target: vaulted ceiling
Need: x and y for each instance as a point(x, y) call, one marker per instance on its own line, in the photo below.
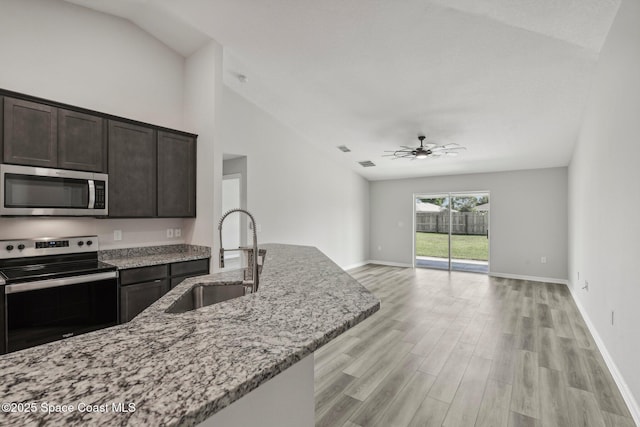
point(506, 79)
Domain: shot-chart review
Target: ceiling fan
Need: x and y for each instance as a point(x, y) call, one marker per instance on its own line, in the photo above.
point(424, 151)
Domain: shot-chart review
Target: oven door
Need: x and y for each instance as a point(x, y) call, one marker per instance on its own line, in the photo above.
point(49, 310)
point(27, 190)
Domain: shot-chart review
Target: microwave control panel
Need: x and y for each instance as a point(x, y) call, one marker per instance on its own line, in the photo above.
point(101, 195)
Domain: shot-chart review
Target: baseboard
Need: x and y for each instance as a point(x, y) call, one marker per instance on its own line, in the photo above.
point(356, 265)
point(532, 278)
point(389, 263)
point(613, 368)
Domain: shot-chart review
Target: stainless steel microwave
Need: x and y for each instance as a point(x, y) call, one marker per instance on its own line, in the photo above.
point(32, 191)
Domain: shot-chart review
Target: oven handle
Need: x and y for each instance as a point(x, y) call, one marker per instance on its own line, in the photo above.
point(53, 283)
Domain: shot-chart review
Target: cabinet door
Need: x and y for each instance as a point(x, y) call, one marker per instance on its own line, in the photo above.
point(135, 298)
point(81, 142)
point(132, 170)
point(176, 175)
point(30, 132)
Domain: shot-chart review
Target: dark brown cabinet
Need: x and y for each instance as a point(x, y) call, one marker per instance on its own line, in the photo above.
point(135, 298)
point(181, 270)
point(81, 141)
point(132, 170)
point(152, 170)
point(30, 133)
point(141, 287)
point(176, 175)
point(42, 135)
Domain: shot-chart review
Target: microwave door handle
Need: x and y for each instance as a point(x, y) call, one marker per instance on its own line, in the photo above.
point(92, 194)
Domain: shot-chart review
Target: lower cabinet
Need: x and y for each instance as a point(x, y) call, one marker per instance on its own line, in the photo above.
point(135, 298)
point(141, 287)
point(181, 270)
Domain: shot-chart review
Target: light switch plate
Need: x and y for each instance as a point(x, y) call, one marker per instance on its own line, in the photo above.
point(177, 232)
point(117, 234)
point(169, 233)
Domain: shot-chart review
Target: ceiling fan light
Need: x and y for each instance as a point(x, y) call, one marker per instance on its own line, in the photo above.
point(422, 155)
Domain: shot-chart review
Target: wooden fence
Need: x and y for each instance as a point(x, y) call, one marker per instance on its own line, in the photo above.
point(476, 223)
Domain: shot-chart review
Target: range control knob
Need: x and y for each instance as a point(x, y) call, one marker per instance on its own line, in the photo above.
point(20, 246)
point(80, 243)
point(9, 247)
point(89, 242)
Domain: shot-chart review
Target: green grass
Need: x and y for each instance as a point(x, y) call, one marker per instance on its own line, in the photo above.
point(462, 247)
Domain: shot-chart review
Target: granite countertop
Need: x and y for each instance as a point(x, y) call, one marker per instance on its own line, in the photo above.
point(179, 369)
point(153, 255)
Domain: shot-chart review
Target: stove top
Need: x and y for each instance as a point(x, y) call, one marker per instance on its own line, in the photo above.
point(53, 270)
point(49, 258)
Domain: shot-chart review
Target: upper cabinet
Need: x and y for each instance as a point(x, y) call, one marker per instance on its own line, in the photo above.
point(132, 170)
point(42, 135)
point(152, 170)
point(30, 133)
point(82, 142)
point(176, 175)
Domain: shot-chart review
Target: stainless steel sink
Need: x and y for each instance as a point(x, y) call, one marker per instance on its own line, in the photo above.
point(202, 295)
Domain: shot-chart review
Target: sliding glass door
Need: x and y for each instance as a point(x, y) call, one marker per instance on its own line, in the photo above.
point(452, 231)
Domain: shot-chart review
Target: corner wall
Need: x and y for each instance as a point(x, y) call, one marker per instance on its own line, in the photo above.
point(604, 203)
point(528, 219)
point(59, 51)
point(296, 194)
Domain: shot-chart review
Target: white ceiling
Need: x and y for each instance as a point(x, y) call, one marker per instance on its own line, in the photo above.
point(506, 79)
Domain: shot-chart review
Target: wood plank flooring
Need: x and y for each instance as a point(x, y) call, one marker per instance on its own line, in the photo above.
point(464, 349)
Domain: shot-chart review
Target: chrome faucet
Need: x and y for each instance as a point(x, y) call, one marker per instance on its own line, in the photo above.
point(254, 268)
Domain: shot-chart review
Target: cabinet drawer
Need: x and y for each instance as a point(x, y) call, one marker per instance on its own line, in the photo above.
point(200, 266)
point(143, 274)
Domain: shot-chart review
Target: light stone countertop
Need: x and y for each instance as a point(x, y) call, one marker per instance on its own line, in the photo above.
point(153, 255)
point(179, 369)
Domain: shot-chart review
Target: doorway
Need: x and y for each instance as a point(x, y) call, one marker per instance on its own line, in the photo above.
point(451, 231)
point(234, 195)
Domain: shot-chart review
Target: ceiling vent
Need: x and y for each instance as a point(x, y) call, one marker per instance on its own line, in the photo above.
point(344, 148)
point(367, 164)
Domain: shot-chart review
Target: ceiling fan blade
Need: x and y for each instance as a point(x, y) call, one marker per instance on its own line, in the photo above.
point(443, 148)
point(450, 153)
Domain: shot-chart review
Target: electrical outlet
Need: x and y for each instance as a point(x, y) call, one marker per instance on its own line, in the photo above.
point(258, 228)
point(177, 232)
point(543, 260)
point(169, 233)
point(117, 234)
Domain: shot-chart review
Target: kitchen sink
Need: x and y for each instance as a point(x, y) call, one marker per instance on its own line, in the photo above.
point(202, 295)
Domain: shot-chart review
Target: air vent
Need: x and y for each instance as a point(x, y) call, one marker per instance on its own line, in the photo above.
point(367, 164)
point(344, 148)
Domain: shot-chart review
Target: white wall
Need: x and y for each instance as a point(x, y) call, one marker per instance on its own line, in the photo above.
point(59, 51)
point(528, 218)
point(203, 97)
point(297, 194)
point(604, 202)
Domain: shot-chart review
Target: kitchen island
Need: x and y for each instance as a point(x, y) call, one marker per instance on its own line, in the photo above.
point(180, 369)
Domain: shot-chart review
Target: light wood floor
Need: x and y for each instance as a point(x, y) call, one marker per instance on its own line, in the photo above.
point(464, 349)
